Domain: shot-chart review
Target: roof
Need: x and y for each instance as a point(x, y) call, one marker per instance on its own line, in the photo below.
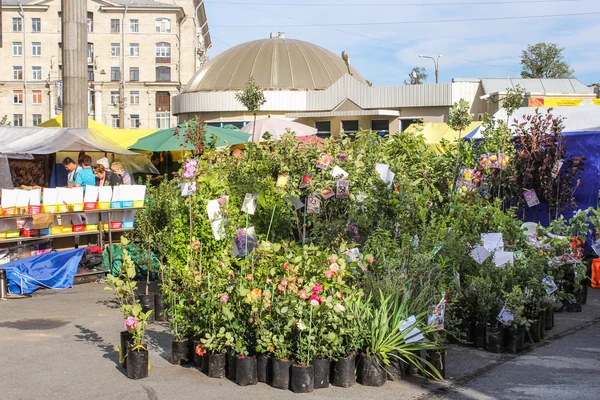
point(275, 64)
point(499, 85)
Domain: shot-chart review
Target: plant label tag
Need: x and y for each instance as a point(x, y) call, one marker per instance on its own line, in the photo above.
point(327, 193)
point(435, 316)
point(404, 325)
point(492, 241)
point(531, 198)
point(549, 284)
point(282, 181)
point(505, 317)
point(480, 254)
point(502, 258)
point(305, 181)
point(338, 172)
point(324, 161)
point(556, 168)
point(313, 205)
point(342, 189)
point(414, 336)
point(296, 202)
point(188, 188)
point(250, 203)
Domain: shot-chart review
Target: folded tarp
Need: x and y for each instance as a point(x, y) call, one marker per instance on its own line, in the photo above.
point(52, 271)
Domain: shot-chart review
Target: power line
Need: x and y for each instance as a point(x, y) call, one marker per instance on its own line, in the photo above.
point(458, 3)
point(433, 21)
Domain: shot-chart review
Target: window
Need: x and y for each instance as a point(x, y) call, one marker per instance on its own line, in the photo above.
point(114, 97)
point(134, 49)
point(134, 26)
point(115, 74)
point(37, 119)
point(17, 119)
point(18, 73)
point(163, 52)
point(115, 26)
point(36, 73)
point(163, 25)
point(17, 49)
point(36, 25)
point(90, 53)
point(36, 49)
point(90, 21)
point(17, 97)
point(37, 96)
point(134, 97)
point(350, 127)
point(163, 120)
point(323, 128)
point(135, 120)
point(163, 101)
point(381, 126)
point(115, 121)
point(163, 74)
point(90, 72)
point(115, 49)
point(134, 73)
point(17, 24)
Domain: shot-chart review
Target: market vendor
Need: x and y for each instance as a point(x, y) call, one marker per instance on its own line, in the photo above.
point(118, 169)
point(73, 169)
point(86, 175)
point(105, 177)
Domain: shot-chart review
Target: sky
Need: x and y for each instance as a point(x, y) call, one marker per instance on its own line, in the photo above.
point(395, 32)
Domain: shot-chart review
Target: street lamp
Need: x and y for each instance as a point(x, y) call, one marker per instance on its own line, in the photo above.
point(436, 62)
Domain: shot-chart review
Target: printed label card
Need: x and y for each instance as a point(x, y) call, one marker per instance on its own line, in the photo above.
point(531, 198)
point(342, 189)
point(327, 193)
point(556, 168)
point(250, 203)
point(505, 317)
point(324, 161)
point(282, 181)
point(313, 205)
point(549, 284)
point(305, 181)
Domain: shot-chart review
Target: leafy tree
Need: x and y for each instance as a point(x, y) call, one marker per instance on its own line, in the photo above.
point(252, 98)
point(417, 76)
point(544, 60)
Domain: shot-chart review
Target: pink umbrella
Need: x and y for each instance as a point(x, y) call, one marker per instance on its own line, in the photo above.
point(277, 128)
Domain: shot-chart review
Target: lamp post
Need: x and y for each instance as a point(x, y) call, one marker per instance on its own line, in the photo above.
point(436, 62)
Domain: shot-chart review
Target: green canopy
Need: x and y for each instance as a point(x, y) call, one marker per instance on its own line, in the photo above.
point(167, 140)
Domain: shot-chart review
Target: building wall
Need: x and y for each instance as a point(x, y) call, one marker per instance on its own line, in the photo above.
point(180, 38)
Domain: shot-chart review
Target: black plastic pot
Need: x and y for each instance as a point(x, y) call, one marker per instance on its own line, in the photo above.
point(137, 364)
point(281, 374)
point(372, 372)
point(542, 326)
point(264, 368)
point(216, 365)
point(245, 371)
point(516, 340)
point(534, 331)
point(159, 307)
point(126, 339)
point(495, 339)
point(395, 369)
point(231, 365)
point(343, 372)
point(303, 379)
point(179, 351)
point(548, 320)
point(321, 370)
point(438, 360)
point(147, 303)
point(479, 337)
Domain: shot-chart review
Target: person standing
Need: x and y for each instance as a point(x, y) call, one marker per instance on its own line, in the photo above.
point(86, 176)
point(73, 170)
point(118, 169)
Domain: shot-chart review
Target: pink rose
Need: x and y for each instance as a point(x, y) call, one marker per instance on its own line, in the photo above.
point(328, 274)
point(314, 300)
point(317, 289)
point(322, 299)
point(334, 267)
point(302, 294)
point(224, 298)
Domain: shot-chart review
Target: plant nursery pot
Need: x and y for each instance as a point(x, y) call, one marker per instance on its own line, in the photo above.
point(231, 365)
point(147, 303)
point(372, 372)
point(216, 365)
point(395, 369)
point(281, 374)
point(438, 360)
point(495, 339)
point(159, 307)
point(322, 367)
point(264, 368)
point(180, 351)
point(516, 340)
point(303, 379)
point(343, 372)
point(548, 319)
point(245, 371)
point(137, 364)
point(479, 337)
point(534, 331)
point(197, 358)
point(126, 338)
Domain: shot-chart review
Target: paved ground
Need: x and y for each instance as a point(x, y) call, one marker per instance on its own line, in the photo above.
point(61, 345)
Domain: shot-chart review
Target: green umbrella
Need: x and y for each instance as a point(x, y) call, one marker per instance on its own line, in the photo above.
point(167, 140)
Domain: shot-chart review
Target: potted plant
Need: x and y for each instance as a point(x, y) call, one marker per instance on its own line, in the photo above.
point(137, 351)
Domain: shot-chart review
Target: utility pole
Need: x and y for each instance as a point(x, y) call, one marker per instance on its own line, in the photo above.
point(436, 62)
point(74, 51)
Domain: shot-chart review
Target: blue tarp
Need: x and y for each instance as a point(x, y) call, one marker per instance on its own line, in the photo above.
point(53, 270)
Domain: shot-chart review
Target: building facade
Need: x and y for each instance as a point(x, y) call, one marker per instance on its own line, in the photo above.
point(154, 46)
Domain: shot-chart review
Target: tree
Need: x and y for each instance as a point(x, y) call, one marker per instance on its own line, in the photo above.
point(417, 76)
point(252, 98)
point(544, 60)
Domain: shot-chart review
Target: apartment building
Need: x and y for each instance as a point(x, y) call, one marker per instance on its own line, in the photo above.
point(156, 46)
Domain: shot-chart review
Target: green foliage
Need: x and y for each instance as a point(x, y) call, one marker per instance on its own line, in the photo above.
point(544, 60)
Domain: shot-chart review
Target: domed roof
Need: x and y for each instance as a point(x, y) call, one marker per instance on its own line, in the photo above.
point(276, 64)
